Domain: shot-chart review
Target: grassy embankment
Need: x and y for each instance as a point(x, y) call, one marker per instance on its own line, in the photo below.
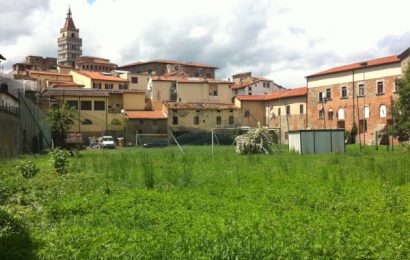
point(157, 203)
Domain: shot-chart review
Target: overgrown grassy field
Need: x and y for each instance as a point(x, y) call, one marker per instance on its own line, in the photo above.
point(158, 203)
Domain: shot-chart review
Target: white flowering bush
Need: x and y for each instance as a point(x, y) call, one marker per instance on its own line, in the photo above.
point(256, 140)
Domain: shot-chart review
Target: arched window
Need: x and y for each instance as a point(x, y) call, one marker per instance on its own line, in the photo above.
point(366, 112)
point(72, 35)
point(330, 114)
point(383, 111)
point(86, 121)
point(341, 114)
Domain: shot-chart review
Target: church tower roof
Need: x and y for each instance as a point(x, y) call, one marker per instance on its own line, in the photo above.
point(69, 23)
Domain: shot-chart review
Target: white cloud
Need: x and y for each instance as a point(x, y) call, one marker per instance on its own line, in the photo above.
point(284, 40)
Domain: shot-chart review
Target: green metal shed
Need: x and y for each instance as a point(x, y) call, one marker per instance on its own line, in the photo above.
point(317, 141)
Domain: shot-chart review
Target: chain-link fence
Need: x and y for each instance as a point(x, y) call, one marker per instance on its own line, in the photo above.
point(23, 128)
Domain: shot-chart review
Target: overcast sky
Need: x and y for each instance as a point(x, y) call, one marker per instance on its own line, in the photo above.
point(282, 40)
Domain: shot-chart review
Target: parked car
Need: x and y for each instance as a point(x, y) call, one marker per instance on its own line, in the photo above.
point(107, 142)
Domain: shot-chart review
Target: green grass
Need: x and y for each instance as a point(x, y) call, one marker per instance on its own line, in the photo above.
point(158, 203)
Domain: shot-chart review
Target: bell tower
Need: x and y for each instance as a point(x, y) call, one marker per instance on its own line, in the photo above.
point(69, 43)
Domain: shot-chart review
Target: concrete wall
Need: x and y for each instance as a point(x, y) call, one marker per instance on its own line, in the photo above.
point(207, 119)
point(81, 79)
point(191, 92)
point(368, 73)
point(252, 112)
point(294, 121)
point(134, 101)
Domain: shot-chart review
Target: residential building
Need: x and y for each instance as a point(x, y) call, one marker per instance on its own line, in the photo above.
point(188, 117)
point(360, 93)
point(135, 81)
point(284, 110)
point(100, 111)
point(69, 43)
point(38, 63)
point(246, 84)
point(162, 67)
point(121, 96)
point(193, 103)
point(94, 64)
point(45, 78)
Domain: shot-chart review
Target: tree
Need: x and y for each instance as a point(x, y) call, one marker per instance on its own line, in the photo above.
point(61, 118)
point(401, 109)
point(256, 140)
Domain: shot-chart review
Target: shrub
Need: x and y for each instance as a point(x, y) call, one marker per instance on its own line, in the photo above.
point(59, 160)
point(255, 141)
point(28, 169)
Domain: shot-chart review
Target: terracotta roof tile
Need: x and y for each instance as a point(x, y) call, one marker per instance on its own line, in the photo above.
point(275, 95)
point(99, 76)
point(145, 114)
point(199, 106)
point(80, 92)
point(370, 63)
point(248, 83)
point(185, 63)
point(182, 79)
point(43, 72)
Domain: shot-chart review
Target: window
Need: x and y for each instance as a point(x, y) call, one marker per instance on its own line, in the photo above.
point(134, 80)
point(196, 120)
point(320, 96)
point(247, 113)
point(278, 111)
point(328, 93)
point(286, 135)
point(208, 75)
point(321, 113)
point(174, 120)
point(383, 111)
point(249, 88)
point(361, 89)
point(341, 114)
point(366, 112)
point(85, 105)
point(343, 93)
point(231, 121)
point(249, 93)
point(213, 89)
point(218, 120)
point(99, 105)
point(97, 85)
point(287, 110)
point(72, 104)
point(86, 121)
point(380, 87)
point(123, 86)
point(330, 114)
point(108, 86)
point(141, 121)
point(301, 109)
point(395, 88)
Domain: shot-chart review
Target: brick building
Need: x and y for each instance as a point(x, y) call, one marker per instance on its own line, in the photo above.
point(162, 67)
point(360, 93)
